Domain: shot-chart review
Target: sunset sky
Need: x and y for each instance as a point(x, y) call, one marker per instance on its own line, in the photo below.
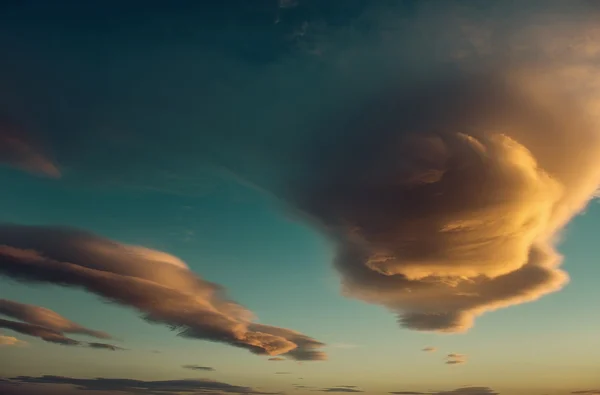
point(298, 196)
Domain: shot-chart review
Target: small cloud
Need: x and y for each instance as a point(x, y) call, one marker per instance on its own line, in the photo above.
point(340, 389)
point(283, 372)
point(19, 151)
point(276, 359)
point(458, 391)
point(197, 367)
point(587, 392)
point(429, 349)
point(10, 341)
point(105, 346)
point(456, 359)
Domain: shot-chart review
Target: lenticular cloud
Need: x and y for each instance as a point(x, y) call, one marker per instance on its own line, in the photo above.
point(445, 198)
point(155, 283)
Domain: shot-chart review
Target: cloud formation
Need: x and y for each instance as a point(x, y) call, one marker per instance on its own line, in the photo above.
point(51, 336)
point(446, 197)
point(429, 349)
point(41, 316)
point(130, 386)
point(157, 284)
point(456, 359)
point(197, 367)
point(346, 388)
point(587, 392)
point(10, 341)
point(17, 150)
point(276, 359)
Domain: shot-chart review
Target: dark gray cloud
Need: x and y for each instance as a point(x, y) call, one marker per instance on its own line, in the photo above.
point(197, 367)
point(155, 283)
point(340, 389)
point(104, 346)
point(42, 316)
point(458, 391)
point(130, 386)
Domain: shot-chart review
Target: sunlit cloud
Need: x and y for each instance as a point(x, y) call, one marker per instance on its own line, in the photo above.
point(10, 341)
point(42, 316)
point(157, 284)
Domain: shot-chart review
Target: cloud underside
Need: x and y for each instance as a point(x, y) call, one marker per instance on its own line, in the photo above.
point(158, 285)
point(446, 199)
point(130, 386)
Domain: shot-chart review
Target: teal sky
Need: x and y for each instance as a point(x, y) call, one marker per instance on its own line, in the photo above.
point(209, 184)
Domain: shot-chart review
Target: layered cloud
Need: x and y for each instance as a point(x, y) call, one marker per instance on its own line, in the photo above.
point(41, 316)
point(157, 284)
point(446, 196)
point(130, 386)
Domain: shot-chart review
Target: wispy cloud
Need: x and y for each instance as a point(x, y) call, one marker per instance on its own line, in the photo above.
point(340, 389)
point(197, 367)
point(17, 150)
point(458, 391)
point(42, 316)
point(587, 392)
point(155, 283)
point(429, 349)
point(276, 359)
point(456, 359)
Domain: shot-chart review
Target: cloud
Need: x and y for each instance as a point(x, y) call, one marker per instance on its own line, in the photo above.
point(45, 317)
point(51, 336)
point(429, 349)
point(587, 392)
point(164, 387)
point(157, 284)
point(196, 367)
point(340, 389)
point(458, 391)
point(283, 372)
point(445, 199)
point(10, 341)
point(456, 359)
point(276, 359)
point(17, 150)
point(104, 346)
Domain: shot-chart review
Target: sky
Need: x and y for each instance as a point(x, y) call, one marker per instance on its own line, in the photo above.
point(298, 196)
